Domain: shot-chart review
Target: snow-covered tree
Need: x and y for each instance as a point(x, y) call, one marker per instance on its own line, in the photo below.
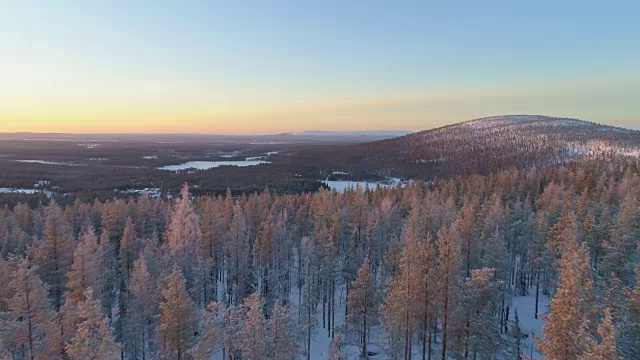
point(284, 335)
point(86, 270)
point(630, 333)
point(210, 331)
point(566, 334)
point(403, 304)
point(336, 352)
point(54, 253)
point(29, 329)
point(449, 272)
point(481, 333)
point(363, 306)
point(128, 248)
point(93, 338)
point(178, 325)
point(238, 266)
point(141, 312)
point(183, 238)
point(254, 337)
point(605, 349)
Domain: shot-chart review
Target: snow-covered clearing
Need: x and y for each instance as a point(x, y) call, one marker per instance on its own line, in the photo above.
point(525, 306)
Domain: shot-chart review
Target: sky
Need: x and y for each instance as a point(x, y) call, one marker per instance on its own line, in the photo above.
point(268, 66)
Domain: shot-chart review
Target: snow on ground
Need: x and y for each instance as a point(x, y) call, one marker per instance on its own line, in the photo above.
point(321, 342)
point(343, 185)
point(25, 191)
point(151, 192)
point(204, 165)
point(18, 191)
point(91, 146)
point(45, 162)
point(595, 148)
point(525, 306)
point(263, 156)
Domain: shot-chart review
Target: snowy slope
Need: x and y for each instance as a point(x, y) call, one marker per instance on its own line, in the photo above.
point(492, 144)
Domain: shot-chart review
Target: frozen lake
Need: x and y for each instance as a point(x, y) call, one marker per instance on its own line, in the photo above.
point(204, 165)
point(342, 185)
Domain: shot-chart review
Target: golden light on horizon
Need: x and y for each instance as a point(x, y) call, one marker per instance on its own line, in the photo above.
point(193, 112)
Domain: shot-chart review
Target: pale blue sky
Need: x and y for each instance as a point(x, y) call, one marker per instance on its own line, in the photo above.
point(271, 66)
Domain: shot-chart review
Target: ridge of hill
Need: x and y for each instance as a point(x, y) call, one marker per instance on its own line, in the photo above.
point(489, 144)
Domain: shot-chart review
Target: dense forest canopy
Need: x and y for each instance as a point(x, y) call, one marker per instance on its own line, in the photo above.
point(427, 271)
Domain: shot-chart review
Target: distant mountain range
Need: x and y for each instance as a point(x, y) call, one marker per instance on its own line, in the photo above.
point(489, 144)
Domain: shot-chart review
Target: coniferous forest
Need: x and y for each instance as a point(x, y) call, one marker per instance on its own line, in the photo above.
point(319, 180)
point(427, 271)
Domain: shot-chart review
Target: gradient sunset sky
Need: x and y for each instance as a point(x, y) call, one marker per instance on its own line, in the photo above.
point(276, 66)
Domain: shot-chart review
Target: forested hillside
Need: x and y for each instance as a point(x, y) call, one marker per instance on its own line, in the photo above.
point(422, 272)
point(488, 145)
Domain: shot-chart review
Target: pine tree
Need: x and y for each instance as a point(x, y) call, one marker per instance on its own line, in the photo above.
point(7, 269)
point(128, 245)
point(606, 348)
point(428, 290)
point(183, 237)
point(283, 334)
point(177, 318)
point(93, 339)
point(403, 304)
point(211, 334)
point(620, 247)
point(336, 352)
point(238, 257)
point(142, 310)
point(86, 270)
point(254, 339)
point(516, 333)
point(630, 333)
point(566, 331)
point(362, 301)
point(481, 326)
point(30, 326)
point(54, 253)
point(212, 241)
point(448, 268)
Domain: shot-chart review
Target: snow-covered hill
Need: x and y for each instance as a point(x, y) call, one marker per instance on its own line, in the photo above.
point(494, 143)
